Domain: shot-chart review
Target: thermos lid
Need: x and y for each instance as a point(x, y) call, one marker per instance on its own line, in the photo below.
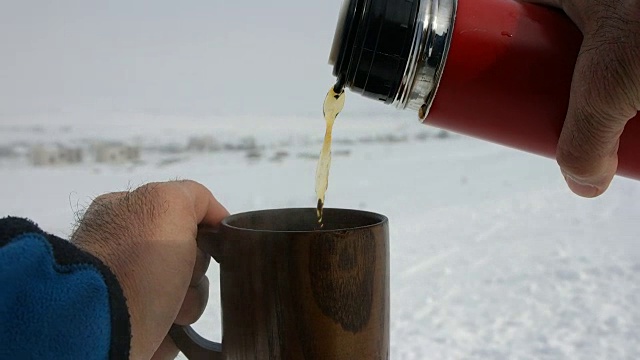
point(372, 46)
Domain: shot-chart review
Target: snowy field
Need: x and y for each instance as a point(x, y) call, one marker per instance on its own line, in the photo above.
point(492, 257)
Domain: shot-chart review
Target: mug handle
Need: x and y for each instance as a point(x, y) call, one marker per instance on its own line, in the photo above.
point(192, 345)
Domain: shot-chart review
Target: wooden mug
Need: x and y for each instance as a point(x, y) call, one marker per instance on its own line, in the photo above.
point(293, 291)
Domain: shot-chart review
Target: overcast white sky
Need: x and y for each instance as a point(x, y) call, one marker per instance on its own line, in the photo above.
point(197, 57)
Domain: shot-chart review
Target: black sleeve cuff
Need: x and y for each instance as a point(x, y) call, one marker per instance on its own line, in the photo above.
point(65, 253)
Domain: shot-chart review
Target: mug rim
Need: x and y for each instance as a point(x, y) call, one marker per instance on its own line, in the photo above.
point(380, 220)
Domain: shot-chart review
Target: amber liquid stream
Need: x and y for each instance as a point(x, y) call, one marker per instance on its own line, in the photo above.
point(333, 104)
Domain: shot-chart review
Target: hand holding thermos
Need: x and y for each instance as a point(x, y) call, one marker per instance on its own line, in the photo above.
point(605, 93)
point(510, 72)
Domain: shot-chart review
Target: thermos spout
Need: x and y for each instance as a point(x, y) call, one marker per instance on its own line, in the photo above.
point(393, 51)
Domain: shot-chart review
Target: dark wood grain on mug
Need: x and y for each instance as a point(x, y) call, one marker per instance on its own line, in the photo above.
point(342, 277)
point(305, 296)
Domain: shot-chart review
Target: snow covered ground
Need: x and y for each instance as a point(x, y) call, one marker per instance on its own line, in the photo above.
point(492, 257)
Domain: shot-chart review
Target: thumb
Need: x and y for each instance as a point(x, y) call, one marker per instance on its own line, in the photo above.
point(605, 95)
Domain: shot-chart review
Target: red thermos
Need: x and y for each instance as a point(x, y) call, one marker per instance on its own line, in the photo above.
point(498, 70)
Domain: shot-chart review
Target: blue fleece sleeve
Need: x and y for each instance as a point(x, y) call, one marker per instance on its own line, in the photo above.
point(57, 302)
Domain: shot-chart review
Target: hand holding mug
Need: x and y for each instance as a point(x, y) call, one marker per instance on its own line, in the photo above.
point(147, 237)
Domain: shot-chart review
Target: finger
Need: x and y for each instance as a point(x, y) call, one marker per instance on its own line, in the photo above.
point(208, 210)
point(200, 269)
point(604, 96)
point(167, 350)
point(194, 303)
